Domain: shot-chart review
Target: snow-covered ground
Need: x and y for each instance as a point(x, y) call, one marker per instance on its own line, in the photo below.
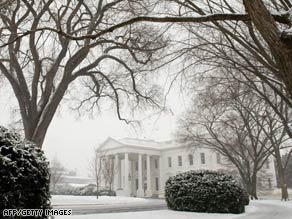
point(287, 204)
point(161, 214)
point(102, 200)
point(252, 211)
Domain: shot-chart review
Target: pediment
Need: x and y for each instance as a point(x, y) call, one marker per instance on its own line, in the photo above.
point(110, 143)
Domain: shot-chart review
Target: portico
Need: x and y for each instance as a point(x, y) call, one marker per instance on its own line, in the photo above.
point(136, 174)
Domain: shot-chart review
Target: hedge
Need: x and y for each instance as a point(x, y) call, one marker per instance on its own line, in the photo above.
point(205, 191)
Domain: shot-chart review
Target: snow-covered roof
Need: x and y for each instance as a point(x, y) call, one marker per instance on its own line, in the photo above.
point(140, 142)
point(143, 143)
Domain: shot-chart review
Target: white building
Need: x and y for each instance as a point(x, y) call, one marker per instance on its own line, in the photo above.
point(143, 166)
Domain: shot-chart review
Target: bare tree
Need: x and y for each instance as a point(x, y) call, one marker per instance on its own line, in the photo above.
point(259, 29)
point(103, 169)
point(56, 172)
point(108, 172)
point(275, 122)
point(266, 23)
point(43, 64)
point(96, 168)
point(228, 117)
point(90, 25)
point(280, 141)
point(238, 50)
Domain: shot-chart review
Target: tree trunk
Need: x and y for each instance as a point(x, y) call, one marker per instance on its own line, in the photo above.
point(253, 187)
point(39, 138)
point(254, 190)
point(248, 185)
point(37, 125)
point(280, 48)
point(284, 191)
point(97, 190)
point(281, 175)
point(282, 180)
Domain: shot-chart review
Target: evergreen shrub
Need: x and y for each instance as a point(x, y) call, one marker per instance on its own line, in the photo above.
point(205, 191)
point(24, 174)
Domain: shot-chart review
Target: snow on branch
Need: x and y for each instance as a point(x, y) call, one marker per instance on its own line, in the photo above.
point(195, 19)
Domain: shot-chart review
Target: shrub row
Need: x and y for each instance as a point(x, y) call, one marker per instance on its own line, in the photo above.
point(88, 190)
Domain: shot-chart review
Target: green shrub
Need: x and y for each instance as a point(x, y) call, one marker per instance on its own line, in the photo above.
point(24, 174)
point(205, 191)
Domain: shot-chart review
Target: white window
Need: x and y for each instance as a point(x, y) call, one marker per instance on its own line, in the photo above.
point(179, 159)
point(156, 163)
point(137, 184)
point(136, 165)
point(268, 164)
point(203, 160)
point(156, 183)
point(270, 183)
point(218, 158)
point(191, 159)
point(169, 162)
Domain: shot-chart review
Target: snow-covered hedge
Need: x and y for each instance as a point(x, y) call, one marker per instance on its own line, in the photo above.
point(87, 190)
point(205, 191)
point(24, 173)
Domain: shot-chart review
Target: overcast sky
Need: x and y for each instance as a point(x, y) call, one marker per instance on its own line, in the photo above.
point(71, 139)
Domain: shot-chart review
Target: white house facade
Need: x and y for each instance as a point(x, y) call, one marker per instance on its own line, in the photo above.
point(143, 166)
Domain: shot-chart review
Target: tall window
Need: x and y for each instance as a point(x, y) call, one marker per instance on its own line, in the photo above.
point(156, 163)
point(145, 164)
point(191, 159)
point(270, 183)
point(137, 184)
point(218, 157)
point(267, 164)
point(179, 159)
point(169, 162)
point(203, 160)
point(136, 165)
point(156, 183)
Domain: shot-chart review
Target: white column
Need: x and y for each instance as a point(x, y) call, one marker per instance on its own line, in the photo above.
point(126, 185)
point(161, 178)
point(116, 172)
point(140, 192)
point(119, 173)
point(149, 190)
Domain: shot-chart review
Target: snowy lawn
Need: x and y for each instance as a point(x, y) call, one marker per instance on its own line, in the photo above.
point(102, 200)
point(161, 214)
point(287, 204)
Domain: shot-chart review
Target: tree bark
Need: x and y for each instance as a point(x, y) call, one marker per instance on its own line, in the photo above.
point(280, 48)
point(254, 187)
point(281, 175)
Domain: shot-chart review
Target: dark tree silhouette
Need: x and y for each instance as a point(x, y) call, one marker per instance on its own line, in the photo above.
point(43, 65)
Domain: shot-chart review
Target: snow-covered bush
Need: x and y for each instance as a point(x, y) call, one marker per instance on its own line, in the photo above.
point(245, 197)
point(87, 190)
point(24, 174)
point(205, 191)
point(107, 192)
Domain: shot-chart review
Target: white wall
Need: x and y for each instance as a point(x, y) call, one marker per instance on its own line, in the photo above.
point(210, 164)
